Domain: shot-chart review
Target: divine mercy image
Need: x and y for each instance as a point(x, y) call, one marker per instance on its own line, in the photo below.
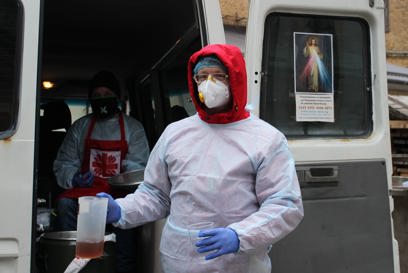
point(313, 62)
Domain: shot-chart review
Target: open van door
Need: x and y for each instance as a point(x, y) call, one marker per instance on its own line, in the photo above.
point(317, 72)
point(19, 24)
point(147, 44)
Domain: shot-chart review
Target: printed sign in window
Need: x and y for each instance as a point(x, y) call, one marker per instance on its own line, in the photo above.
point(313, 65)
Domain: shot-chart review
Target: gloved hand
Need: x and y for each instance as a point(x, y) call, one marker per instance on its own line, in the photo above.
point(114, 211)
point(224, 240)
point(83, 180)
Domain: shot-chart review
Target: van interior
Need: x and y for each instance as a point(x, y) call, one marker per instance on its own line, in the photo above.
point(145, 43)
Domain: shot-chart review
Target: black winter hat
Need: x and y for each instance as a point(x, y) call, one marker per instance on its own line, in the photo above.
point(104, 78)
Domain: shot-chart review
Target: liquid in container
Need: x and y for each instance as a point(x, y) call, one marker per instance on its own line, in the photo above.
point(91, 226)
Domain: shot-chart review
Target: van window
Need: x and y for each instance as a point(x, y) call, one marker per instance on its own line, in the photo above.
point(350, 85)
point(10, 51)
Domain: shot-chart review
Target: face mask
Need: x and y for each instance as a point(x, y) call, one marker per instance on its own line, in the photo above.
point(104, 107)
point(213, 93)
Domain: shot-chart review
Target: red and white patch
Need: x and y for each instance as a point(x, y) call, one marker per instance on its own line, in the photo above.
point(104, 164)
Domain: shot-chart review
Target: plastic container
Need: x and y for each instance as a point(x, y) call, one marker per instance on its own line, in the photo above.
point(44, 219)
point(91, 226)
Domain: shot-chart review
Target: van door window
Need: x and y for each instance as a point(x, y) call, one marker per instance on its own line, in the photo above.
point(351, 75)
point(10, 54)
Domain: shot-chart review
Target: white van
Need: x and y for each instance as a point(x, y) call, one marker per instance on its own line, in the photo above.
point(333, 110)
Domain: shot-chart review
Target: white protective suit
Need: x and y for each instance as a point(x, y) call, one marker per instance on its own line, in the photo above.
point(237, 174)
point(71, 152)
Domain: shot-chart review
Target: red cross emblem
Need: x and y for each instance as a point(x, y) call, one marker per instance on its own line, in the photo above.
point(105, 165)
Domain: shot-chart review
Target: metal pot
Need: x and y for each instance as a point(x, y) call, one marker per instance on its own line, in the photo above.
point(128, 180)
point(57, 250)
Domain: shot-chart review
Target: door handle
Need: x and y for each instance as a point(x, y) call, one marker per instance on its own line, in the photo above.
point(321, 174)
point(8, 248)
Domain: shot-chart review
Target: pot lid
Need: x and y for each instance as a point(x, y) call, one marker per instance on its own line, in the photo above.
point(127, 179)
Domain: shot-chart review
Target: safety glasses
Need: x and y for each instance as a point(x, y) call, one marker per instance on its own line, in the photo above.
point(199, 78)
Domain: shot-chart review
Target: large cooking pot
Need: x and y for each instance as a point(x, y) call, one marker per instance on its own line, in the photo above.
point(57, 250)
point(128, 181)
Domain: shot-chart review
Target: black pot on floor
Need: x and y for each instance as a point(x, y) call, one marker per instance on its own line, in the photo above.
point(56, 250)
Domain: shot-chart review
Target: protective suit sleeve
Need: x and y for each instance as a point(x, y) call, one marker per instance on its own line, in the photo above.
point(151, 200)
point(138, 147)
point(278, 193)
point(69, 157)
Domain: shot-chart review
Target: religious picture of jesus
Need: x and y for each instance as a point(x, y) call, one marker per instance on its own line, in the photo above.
point(313, 57)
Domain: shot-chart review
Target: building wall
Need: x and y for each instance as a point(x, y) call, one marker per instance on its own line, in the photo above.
point(234, 12)
point(397, 37)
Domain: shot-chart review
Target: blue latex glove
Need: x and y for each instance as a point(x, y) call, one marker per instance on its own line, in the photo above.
point(83, 180)
point(114, 211)
point(223, 240)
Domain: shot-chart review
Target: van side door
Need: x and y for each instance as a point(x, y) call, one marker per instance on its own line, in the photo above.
point(317, 72)
point(19, 25)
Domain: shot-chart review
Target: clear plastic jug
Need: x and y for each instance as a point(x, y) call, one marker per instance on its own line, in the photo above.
point(91, 226)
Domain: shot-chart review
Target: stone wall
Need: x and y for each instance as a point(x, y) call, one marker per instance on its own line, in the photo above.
point(397, 37)
point(234, 12)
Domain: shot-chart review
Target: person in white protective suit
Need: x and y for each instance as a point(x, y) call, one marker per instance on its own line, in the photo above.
point(224, 179)
point(100, 145)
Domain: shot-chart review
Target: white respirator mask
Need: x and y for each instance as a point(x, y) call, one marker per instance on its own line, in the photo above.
point(213, 93)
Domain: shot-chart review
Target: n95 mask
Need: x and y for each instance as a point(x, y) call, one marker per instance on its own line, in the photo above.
point(213, 93)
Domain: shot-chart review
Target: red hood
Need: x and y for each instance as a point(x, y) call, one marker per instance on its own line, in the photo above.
point(233, 60)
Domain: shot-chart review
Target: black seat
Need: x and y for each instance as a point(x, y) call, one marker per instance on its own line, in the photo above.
point(177, 112)
point(54, 124)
